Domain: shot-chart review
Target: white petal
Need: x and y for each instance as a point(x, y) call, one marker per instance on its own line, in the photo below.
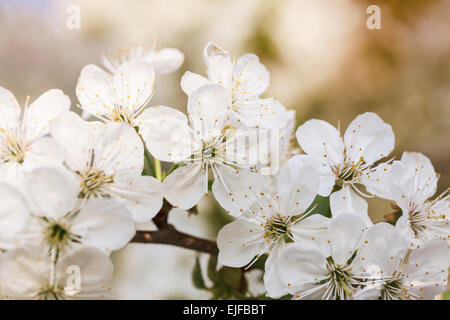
point(39, 115)
point(104, 224)
point(403, 227)
point(165, 60)
point(272, 280)
point(239, 242)
point(9, 117)
point(235, 190)
point(94, 91)
point(297, 185)
point(43, 152)
point(347, 201)
point(302, 267)
point(14, 211)
point(261, 113)
point(250, 76)
point(74, 135)
point(413, 180)
point(134, 82)
point(191, 82)
point(24, 272)
point(427, 268)
point(51, 192)
point(345, 232)
point(312, 227)
point(326, 176)
point(368, 293)
point(141, 194)
point(368, 137)
point(377, 181)
point(95, 268)
point(382, 250)
point(166, 133)
point(185, 186)
point(321, 140)
point(208, 109)
point(12, 172)
point(219, 65)
point(119, 149)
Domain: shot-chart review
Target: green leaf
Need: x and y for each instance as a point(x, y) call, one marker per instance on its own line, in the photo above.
point(212, 269)
point(322, 206)
point(197, 277)
point(446, 295)
point(231, 276)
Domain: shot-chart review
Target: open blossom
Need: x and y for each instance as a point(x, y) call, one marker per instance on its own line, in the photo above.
point(205, 142)
point(120, 97)
point(58, 220)
point(23, 141)
point(395, 274)
point(163, 61)
point(346, 162)
point(327, 269)
point(108, 160)
point(413, 182)
point(276, 217)
point(245, 79)
point(31, 273)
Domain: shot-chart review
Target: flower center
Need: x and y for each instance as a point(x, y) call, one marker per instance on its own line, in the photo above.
point(57, 233)
point(348, 173)
point(394, 290)
point(49, 293)
point(120, 114)
point(15, 147)
point(278, 228)
point(94, 182)
point(340, 281)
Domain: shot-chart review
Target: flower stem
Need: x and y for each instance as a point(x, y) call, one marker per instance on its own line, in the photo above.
point(157, 169)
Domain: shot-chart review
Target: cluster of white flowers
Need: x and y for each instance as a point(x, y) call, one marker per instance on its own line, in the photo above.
point(73, 190)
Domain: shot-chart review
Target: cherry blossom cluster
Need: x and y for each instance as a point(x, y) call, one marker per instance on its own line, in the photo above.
point(75, 188)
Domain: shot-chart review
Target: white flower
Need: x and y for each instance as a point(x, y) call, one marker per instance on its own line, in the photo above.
point(275, 218)
point(245, 80)
point(326, 269)
point(206, 142)
point(345, 162)
point(28, 273)
point(23, 141)
point(163, 61)
point(58, 220)
point(413, 182)
point(108, 160)
point(120, 97)
point(398, 275)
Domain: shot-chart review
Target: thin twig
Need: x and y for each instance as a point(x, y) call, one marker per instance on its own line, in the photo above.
point(167, 234)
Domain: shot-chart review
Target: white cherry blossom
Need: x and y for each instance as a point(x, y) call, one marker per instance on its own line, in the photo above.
point(346, 162)
point(204, 142)
point(245, 79)
point(327, 269)
point(397, 273)
point(23, 141)
point(120, 97)
point(413, 182)
point(58, 220)
point(108, 160)
point(31, 273)
point(163, 61)
point(276, 217)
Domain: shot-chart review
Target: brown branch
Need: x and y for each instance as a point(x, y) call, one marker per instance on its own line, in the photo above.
point(167, 234)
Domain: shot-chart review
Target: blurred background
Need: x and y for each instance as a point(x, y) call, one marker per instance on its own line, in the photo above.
point(324, 63)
